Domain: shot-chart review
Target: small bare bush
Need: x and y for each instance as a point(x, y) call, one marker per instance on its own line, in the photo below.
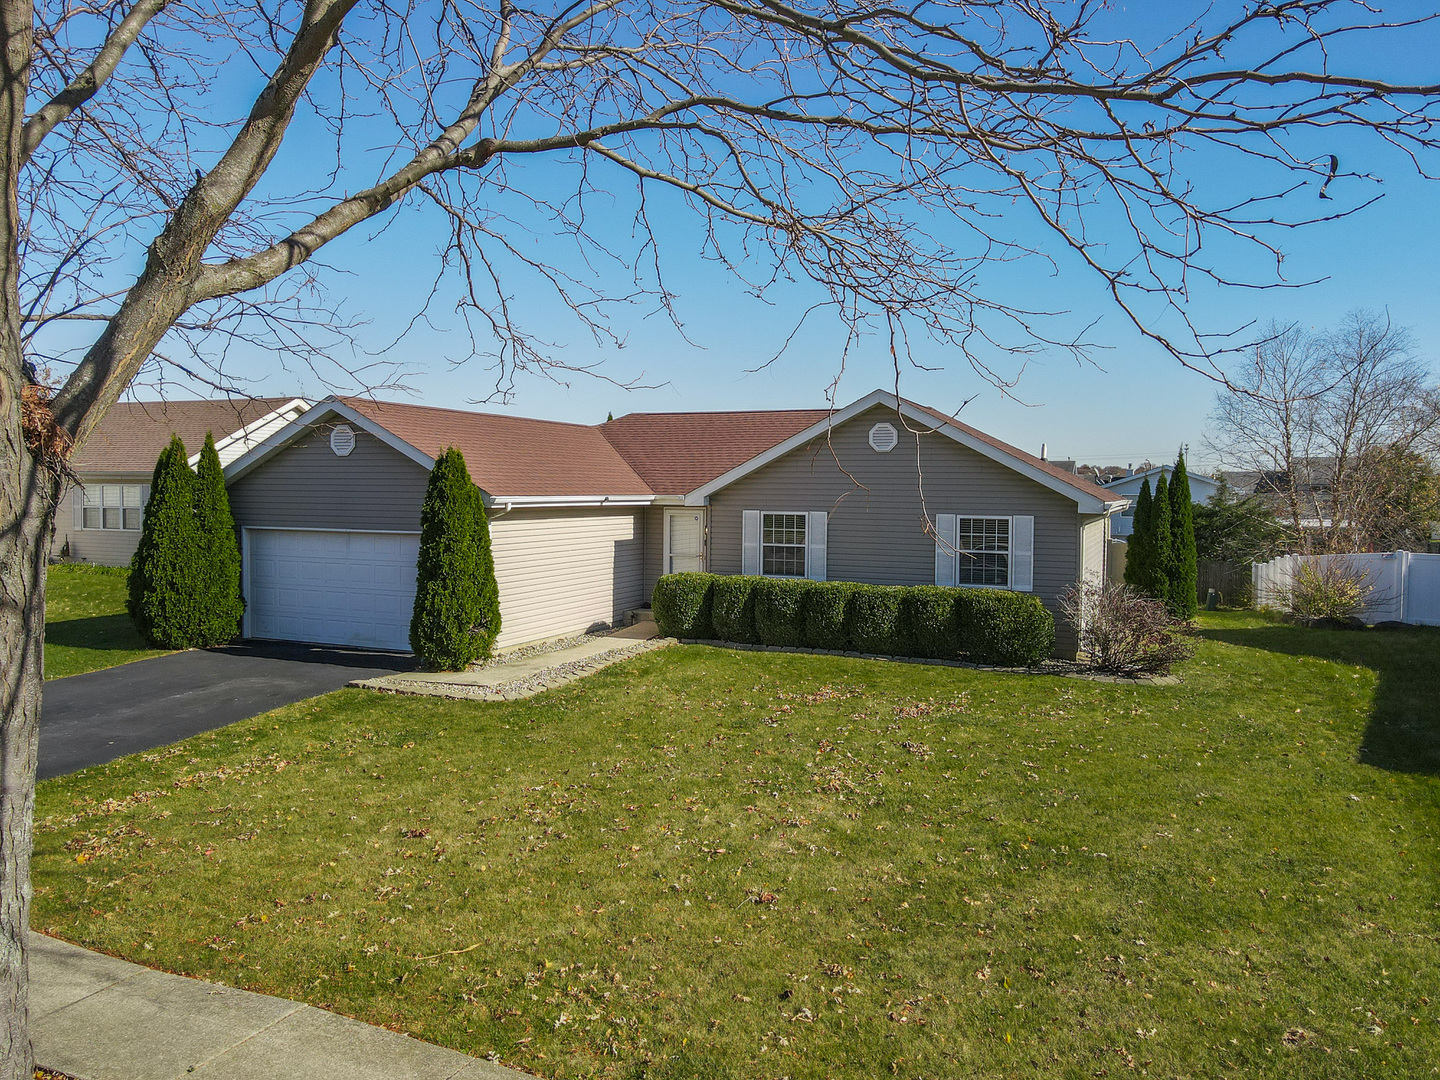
point(1326, 588)
point(1123, 632)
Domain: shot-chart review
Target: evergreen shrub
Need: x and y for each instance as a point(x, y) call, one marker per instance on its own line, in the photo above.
point(989, 626)
point(928, 615)
point(779, 611)
point(681, 603)
point(1183, 592)
point(997, 626)
point(732, 608)
point(1139, 549)
point(1162, 543)
point(457, 600)
point(824, 614)
point(217, 553)
point(872, 620)
point(166, 580)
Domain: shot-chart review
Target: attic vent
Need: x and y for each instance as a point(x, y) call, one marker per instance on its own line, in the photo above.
point(342, 439)
point(883, 438)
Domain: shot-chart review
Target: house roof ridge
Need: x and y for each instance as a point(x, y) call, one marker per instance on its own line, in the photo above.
point(716, 412)
point(358, 400)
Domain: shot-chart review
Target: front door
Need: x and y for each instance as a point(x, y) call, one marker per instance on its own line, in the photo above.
point(684, 541)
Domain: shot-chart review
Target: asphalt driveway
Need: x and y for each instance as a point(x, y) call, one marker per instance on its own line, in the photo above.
point(102, 715)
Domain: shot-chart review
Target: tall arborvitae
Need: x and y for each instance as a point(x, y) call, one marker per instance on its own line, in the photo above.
point(457, 600)
point(1139, 551)
point(165, 580)
point(216, 552)
point(1163, 541)
point(1183, 597)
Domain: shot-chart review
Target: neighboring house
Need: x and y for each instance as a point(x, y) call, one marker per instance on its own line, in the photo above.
point(99, 517)
point(1128, 487)
point(584, 520)
point(1310, 482)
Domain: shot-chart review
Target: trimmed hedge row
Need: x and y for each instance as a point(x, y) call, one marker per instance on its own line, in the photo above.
point(986, 626)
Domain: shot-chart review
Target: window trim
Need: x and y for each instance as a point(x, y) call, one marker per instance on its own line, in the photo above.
point(803, 545)
point(1009, 552)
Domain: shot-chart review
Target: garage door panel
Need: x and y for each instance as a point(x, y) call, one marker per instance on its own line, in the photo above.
point(334, 588)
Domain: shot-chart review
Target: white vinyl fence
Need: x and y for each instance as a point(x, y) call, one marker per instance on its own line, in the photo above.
point(1405, 585)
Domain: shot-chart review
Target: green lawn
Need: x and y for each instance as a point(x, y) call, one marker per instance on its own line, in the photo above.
point(705, 863)
point(86, 627)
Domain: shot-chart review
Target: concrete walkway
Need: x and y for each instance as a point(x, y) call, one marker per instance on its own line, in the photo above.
point(528, 674)
point(98, 1018)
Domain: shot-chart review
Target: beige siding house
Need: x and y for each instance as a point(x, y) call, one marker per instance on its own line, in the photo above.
point(101, 513)
point(584, 520)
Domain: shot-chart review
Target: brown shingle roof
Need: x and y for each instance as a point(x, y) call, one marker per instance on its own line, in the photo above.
point(1079, 483)
point(637, 454)
point(132, 434)
point(678, 452)
point(512, 456)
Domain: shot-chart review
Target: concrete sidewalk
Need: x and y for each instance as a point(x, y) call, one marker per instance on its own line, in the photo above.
point(527, 674)
point(98, 1018)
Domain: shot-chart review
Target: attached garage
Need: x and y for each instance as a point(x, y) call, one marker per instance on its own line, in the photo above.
point(331, 587)
point(329, 520)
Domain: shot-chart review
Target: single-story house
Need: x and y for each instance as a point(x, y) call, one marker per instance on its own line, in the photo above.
point(101, 513)
point(585, 519)
point(1128, 488)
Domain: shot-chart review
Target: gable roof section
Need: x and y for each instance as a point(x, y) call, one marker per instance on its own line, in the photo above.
point(1090, 498)
point(509, 457)
point(675, 453)
point(639, 456)
point(132, 433)
point(513, 455)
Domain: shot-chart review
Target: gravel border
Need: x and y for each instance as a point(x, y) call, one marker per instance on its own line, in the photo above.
point(539, 648)
point(530, 685)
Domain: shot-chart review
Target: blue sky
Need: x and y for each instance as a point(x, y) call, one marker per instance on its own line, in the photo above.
point(1133, 403)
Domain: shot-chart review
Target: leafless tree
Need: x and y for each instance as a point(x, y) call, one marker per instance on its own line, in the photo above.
point(1334, 423)
point(1264, 421)
point(821, 142)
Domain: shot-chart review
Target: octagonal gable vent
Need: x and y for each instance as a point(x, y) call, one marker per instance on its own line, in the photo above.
point(883, 438)
point(342, 439)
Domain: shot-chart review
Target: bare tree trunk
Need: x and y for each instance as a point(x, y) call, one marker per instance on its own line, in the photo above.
point(27, 500)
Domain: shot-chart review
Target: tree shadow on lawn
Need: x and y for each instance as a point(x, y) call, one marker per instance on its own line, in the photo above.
point(1403, 734)
point(105, 632)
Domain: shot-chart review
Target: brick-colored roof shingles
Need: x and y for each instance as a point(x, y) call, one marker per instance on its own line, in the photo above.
point(132, 434)
point(639, 454)
point(513, 456)
point(678, 452)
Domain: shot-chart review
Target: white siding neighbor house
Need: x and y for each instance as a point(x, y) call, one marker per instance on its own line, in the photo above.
point(1128, 488)
point(100, 515)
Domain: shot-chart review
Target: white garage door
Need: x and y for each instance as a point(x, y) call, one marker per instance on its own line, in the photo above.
point(335, 588)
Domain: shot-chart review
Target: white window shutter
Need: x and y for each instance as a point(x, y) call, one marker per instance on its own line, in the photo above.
point(815, 541)
point(1022, 553)
point(750, 542)
point(77, 507)
point(944, 549)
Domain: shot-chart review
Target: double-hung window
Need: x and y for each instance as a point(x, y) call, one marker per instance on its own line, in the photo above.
point(111, 506)
point(782, 545)
point(985, 551)
point(982, 551)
